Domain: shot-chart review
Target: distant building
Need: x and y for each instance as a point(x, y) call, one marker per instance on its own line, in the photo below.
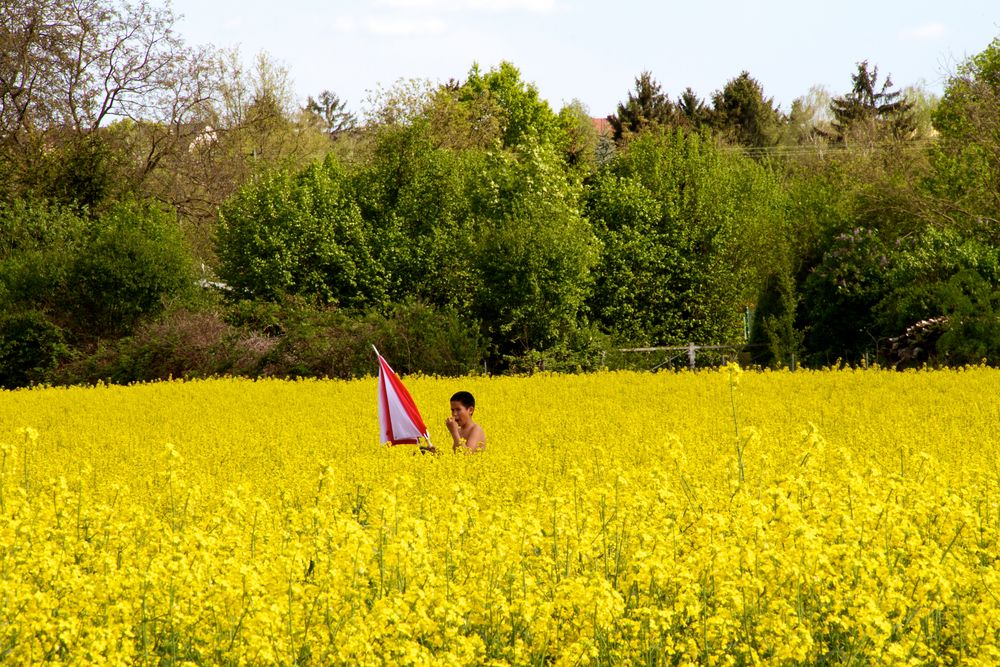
point(202, 138)
point(603, 127)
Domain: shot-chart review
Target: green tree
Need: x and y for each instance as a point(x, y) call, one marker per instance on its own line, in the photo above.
point(741, 113)
point(841, 295)
point(582, 140)
point(642, 267)
point(330, 113)
point(853, 211)
point(300, 234)
point(693, 110)
point(971, 304)
point(966, 156)
point(647, 107)
point(870, 112)
point(689, 233)
point(413, 195)
point(948, 277)
point(524, 117)
point(532, 249)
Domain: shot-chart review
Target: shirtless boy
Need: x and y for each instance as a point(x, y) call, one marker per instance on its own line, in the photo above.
point(466, 434)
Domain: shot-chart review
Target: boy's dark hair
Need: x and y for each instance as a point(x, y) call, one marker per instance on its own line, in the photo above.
point(465, 398)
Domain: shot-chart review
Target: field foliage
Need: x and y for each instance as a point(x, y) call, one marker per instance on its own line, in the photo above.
point(817, 517)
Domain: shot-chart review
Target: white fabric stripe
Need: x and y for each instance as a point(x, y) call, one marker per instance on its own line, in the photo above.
point(402, 425)
point(389, 405)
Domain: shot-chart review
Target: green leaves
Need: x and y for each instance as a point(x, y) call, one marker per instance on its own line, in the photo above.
point(966, 158)
point(132, 260)
point(303, 235)
point(525, 117)
point(533, 252)
point(689, 233)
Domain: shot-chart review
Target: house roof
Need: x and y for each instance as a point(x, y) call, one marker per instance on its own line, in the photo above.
point(602, 126)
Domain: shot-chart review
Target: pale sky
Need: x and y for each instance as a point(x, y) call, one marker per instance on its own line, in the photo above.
point(593, 51)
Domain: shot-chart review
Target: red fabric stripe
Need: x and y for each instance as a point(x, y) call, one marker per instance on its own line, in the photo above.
point(404, 398)
point(386, 414)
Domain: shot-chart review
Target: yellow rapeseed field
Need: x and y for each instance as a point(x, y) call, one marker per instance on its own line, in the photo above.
point(718, 517)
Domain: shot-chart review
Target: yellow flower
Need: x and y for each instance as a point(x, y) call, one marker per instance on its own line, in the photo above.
point(859, 530)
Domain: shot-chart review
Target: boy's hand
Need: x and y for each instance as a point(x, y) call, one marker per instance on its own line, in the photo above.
point(452, 425)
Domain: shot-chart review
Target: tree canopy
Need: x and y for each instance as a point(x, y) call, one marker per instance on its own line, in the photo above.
point(647, 107)
point(157, 199)
point(871, 112)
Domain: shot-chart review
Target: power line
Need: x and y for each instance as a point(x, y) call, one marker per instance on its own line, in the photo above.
point(913, 145)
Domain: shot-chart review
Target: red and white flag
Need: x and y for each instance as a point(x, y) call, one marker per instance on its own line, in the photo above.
point(399, 420)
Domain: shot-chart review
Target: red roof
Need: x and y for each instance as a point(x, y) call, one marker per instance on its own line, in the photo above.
point(602, 126)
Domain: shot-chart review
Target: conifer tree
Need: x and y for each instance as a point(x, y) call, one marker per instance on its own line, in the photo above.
point(743, 115)
point(870, 112)
point(693, 109)
point(648, 106)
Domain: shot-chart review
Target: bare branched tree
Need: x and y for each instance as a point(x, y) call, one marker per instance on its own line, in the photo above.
point(78, 64)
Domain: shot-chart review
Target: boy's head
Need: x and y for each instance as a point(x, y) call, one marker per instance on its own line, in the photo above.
point(462, 407)
point(465, 398)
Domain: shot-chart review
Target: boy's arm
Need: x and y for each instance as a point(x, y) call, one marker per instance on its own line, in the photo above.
point(456, 437)
point(476, 439)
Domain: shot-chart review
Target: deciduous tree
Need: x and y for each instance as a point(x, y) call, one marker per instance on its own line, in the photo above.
point(689, 235)
point(966, 157)
point(70, 67)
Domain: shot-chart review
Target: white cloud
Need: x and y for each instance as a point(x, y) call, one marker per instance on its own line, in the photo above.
point(403, 27)
point(539, 6)
point(345, 24)
point(411, 4)
point(923, 32)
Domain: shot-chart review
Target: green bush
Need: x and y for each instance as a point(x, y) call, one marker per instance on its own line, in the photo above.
point(288, 339)
point(131, 264)
point(413, 337)
point(300, 234)
point(30, 349)
point(182, 343)
point(585, 349)
point(424, 339)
